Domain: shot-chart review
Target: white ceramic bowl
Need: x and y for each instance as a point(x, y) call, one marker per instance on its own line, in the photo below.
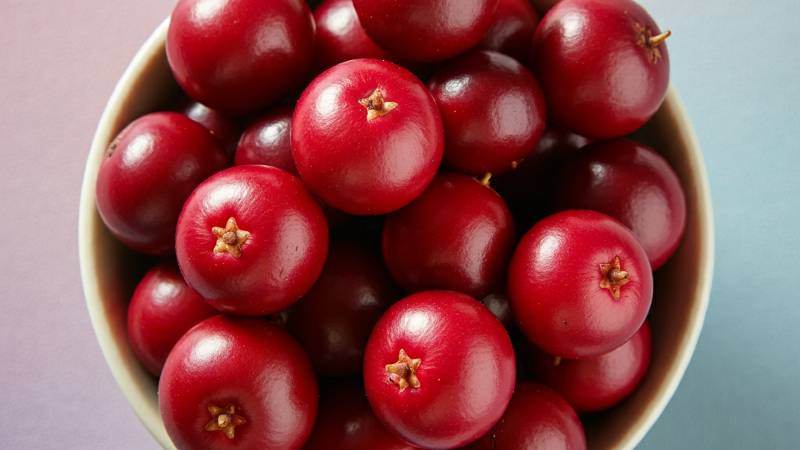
point(109, 270)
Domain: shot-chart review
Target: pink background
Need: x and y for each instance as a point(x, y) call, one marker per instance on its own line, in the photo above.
point(60, 61)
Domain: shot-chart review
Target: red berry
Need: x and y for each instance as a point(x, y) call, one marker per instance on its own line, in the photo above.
point(603, 65)
point(251, 240)
point(426, 30)
point(225, 129)
point(340, 36)
point(162, 309)
point(598, 383)
point(346, 422)
point(536, 418)
point(633, 184)
point(493, 112)
point(268, 141)
point(239, 56)
point(439, 369)
point(367, 137)
point(580, 284)
point(333, 321)
point(500, 306)
point(237, 383)
point(512, 29)
point(458, 235)
point(149, 170)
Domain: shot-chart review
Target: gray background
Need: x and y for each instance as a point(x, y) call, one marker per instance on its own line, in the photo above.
point(735, 63)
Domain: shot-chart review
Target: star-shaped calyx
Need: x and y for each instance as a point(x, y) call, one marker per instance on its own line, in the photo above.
point(646, 40)
point(403, 373)
point(376, 105)
point(230, 239)
point(612, 277)
point(225, 420)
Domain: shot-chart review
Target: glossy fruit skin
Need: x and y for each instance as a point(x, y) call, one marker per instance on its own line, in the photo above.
point(162, 309)
point(466, 375)
point(426, 30)
point(346, 422)
point(530, 189)
point(600, 88)
point(363, 166)
point(149, 170)
point(268, 140)
point(458, 235)
point(500, 306)
point(225, 129)
point(493, 112)
point(512, 29)
point(218, 54)
point(340, 36)
point(634, 184)
point(280, 260)
point(255, 366)
point(598, 383)
point(334, 319)
point(537, 419)
point(554, 282)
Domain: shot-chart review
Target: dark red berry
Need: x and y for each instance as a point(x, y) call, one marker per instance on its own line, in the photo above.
point(439, 369)
point(580, 284)
point(367, 137)
point(458, 235)
point(635, 185)
point(333, 321)
point(225, 129)
point(500, 306)
point(340, 36)
point(603, 66)
point(237, 383)
point(251, 240)
point(162, 309)
point(426, 30)
point(512, 29)
point(239, 56)
point(493, 112)
point(598, 383)
point(536, 418)
point(268, 141)
point(149, 170)
point(346, 422)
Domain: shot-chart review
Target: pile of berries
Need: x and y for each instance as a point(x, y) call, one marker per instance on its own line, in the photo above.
point(396, 224)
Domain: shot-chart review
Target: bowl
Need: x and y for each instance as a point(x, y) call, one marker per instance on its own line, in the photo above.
point(109, 271)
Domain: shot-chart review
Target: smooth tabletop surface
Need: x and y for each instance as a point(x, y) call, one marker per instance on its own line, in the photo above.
point(735, 64)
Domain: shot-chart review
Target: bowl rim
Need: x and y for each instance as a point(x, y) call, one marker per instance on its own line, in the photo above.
point(140, 399)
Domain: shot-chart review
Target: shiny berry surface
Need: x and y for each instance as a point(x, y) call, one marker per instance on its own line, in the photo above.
point(335, 318)
point(346, 422)
point(268, 140)
point(493, 112)
point(148, 171)
point(634, 184)
point(239, 56)
point(340, 36)
point(603, 65)
point(237, 383)
point(439, 369)
point(580, 284)
point(225, 129)
point(458, 235)
point(367, 137)
point(162, 309)
point(251, 240)
point(426, 30)
point(512, 29)
point(598, 383)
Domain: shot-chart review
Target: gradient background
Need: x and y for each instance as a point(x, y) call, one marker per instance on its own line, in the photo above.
point(735, 63)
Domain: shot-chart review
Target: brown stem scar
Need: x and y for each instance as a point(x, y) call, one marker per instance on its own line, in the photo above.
point(376, 105)
point(612, 277)
point(225, 420)
point(230, 239)
point(649, 42)
point(403, 373)
point(486, 179)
